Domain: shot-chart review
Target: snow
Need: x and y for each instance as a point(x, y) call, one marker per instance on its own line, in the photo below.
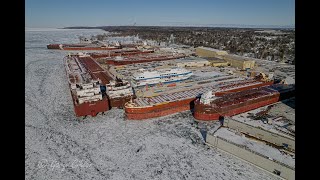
point(60, 146)
point(207, 74)
point(279, 109)
point(263, 149)
point(280, 70)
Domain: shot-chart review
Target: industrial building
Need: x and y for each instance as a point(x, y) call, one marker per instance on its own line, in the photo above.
point(264, 137)
point(217, 62)
point(261, 133)
point(247, 149)
point(209, 52)
point(239, 61)
point(192, 62)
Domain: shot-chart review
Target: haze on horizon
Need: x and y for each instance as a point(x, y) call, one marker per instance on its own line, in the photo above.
point(59, 13)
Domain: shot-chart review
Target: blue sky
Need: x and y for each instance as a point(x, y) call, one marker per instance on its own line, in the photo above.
point(62, 13)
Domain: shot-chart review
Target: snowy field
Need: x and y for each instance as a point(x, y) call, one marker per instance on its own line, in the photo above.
point(59, 146)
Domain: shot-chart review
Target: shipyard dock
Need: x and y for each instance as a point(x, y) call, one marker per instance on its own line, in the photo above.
point(166, 147)
point(152, 81)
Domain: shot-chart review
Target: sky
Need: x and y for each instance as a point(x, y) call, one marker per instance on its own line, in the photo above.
point(66, 13)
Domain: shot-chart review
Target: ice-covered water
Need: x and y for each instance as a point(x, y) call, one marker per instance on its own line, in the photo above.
point(59, 146)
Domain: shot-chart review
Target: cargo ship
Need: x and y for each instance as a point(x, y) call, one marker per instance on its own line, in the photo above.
point(210, 107)
point(86, 93)
point(165, 75)
point(142, 58)
point(85, 45)
point(119, 92)
point(170, 103)
point(94, 69)
point(81, 47)
point(119, 52)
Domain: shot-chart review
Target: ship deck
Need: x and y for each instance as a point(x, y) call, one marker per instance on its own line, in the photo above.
point(96, 71)
point(147, 57)
point(243, 96)
point(103, 76)
point(90, 64)
point(193, 92)
point(118, 52)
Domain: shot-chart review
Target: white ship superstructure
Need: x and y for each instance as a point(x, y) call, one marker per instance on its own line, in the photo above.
point(89, 92)
point(119, 88)
point(166, 75)
point(84, 88)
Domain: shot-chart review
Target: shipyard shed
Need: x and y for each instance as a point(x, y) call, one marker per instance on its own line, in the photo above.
point(217, 62)
point(239, 61)
point(192, 62)
point(209, 52)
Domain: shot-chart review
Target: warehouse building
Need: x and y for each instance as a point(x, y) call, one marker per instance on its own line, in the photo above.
point(192, 62)
point(217, 62)
point(239, 61)
point(209, 52)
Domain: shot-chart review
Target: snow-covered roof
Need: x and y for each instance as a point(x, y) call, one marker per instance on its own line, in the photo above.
point(239, 58)
point(211, 49)
point(255, 146)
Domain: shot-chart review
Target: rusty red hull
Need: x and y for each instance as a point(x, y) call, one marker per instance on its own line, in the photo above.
point(158, 113)
point(125, 62)
point(78, 47)
point(88, 48)
point(119, 102)
point(91, 108)
point(162, 109)
point(199, 115)
point(120, 53)
point(239, 102)
point(87, 108)
point(53, 46)
point(155, 108)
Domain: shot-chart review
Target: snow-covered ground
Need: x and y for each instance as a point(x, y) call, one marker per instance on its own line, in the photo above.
point(255, 146)
point(59, 146)
point(279, 109)
point(279, 70)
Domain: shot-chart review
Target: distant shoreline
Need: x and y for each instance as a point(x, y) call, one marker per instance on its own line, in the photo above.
point(208, 27)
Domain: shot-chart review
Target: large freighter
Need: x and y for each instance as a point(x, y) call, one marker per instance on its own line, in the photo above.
point(119, 92)
point(88, 99)
point(119, 52)
point(165, 104)
point(86, 45)
point(210, 107)
point(81, 47)
point(142, 58)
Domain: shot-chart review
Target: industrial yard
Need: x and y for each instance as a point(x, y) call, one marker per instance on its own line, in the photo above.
point(266, 133)
point(169, 143)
